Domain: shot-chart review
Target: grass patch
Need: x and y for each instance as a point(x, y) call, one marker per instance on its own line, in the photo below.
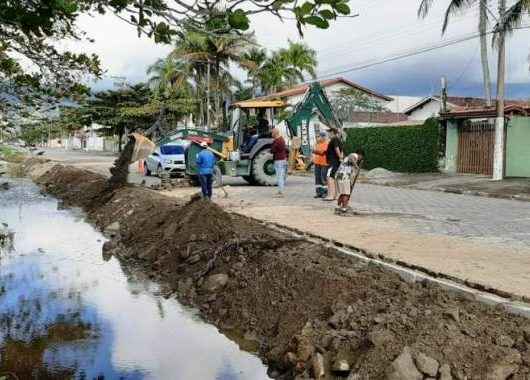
point(11, 154)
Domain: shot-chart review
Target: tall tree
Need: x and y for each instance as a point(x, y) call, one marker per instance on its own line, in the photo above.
point(456, 6)
point(278, 72)
point(106, 108)
point(253, 61)
point(168, 76)
point(209, 56)
point(302, 58)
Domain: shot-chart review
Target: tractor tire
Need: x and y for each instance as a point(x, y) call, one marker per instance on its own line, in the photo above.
point(249, 179)
point(263, 172)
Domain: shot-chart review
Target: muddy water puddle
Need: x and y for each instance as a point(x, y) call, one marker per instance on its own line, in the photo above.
point(65, 312)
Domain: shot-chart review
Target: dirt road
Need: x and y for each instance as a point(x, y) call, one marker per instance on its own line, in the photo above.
point(480, 240)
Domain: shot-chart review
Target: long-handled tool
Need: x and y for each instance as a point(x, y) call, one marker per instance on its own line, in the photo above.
point(342, 212)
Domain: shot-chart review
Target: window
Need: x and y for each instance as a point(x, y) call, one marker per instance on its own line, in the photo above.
point(172, 149)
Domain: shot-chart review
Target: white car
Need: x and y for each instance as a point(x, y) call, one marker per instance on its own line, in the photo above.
point(169, 158)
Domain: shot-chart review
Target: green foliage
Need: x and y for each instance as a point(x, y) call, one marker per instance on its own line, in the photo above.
point(10, 154)
point(30, 30)
point(320, 12)
point(347, 102)
point(284, 67)
point(407, 149)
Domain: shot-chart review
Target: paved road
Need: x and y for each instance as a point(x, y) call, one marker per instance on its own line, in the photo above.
point(423, 211)
point(483, 240)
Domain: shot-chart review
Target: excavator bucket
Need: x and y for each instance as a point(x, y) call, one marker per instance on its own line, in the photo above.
point(143, 147)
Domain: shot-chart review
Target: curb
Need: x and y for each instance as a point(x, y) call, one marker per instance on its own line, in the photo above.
point(411, 273)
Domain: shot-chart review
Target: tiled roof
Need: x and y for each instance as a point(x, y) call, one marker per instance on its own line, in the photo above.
point(476, 112)
point(464, 102)
point(302, 88)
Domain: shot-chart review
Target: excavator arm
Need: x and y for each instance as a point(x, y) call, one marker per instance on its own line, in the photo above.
point(315, 101)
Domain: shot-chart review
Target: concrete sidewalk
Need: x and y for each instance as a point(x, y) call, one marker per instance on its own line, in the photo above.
point(509, 188)
point(482, 241)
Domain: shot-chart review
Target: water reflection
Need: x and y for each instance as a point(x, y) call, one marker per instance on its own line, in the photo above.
point(74, 315)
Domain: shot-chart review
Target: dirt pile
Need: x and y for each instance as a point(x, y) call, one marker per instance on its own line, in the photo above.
point(75, 187)
point(308, 310)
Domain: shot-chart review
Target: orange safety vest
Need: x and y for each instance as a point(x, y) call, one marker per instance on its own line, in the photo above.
point(319, 157)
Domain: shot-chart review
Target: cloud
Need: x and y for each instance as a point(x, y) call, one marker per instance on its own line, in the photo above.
point(383, 29)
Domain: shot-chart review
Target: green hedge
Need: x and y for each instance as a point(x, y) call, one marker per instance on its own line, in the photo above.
point(406, 149)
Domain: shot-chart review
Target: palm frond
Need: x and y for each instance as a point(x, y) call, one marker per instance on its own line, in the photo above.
point(424, 8)
point(455, 7)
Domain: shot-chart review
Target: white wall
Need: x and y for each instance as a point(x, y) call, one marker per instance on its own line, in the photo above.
point(428, 110)
point(401, 103)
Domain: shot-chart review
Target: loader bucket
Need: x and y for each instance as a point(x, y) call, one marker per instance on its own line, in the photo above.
point(143, 147)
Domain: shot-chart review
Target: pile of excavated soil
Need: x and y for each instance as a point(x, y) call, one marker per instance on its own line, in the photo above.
point(308, 310)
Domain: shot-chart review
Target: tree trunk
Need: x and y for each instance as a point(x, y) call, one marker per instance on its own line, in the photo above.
point(120, 136)
point(483, 24)
point(208, 98)
point(218, 113)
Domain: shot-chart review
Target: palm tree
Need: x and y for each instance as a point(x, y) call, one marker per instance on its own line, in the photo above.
point(456, 6)
point(277, 72)
point(168, 75)
point(209, 56)
point(253, 61)
point(302, 58)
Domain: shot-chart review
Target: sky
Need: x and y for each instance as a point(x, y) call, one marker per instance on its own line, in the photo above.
point(352, 48)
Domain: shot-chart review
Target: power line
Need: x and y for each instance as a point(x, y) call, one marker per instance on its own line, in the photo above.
point(404, 55)
point(409, 54)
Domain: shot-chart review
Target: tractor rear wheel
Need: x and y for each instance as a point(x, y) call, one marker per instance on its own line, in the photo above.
point(249, 179)
point(263, 172)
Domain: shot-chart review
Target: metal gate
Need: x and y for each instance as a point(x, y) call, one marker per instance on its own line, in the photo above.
point(476, 140)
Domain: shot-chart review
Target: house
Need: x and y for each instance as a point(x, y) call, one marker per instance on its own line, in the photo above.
point(361, 118)
point(401, 103)
point(430, 106)
point(295, 94)
point(470, 139)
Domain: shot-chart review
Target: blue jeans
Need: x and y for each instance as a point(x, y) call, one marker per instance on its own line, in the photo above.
point(281, 172)
point(206, 181)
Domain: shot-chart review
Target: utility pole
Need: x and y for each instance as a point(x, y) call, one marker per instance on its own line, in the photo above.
point(443, 95)
point(208, 97)
point(498, 155)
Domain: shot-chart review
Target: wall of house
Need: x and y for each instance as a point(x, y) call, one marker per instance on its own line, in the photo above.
point(401, 103)
point(451, 148)
point(430, 109)
point(518, 147)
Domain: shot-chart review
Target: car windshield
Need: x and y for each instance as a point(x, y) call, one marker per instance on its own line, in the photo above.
point(172, 149)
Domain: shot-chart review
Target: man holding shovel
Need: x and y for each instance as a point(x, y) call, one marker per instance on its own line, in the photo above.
point(346, 177)
point(206, 165)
